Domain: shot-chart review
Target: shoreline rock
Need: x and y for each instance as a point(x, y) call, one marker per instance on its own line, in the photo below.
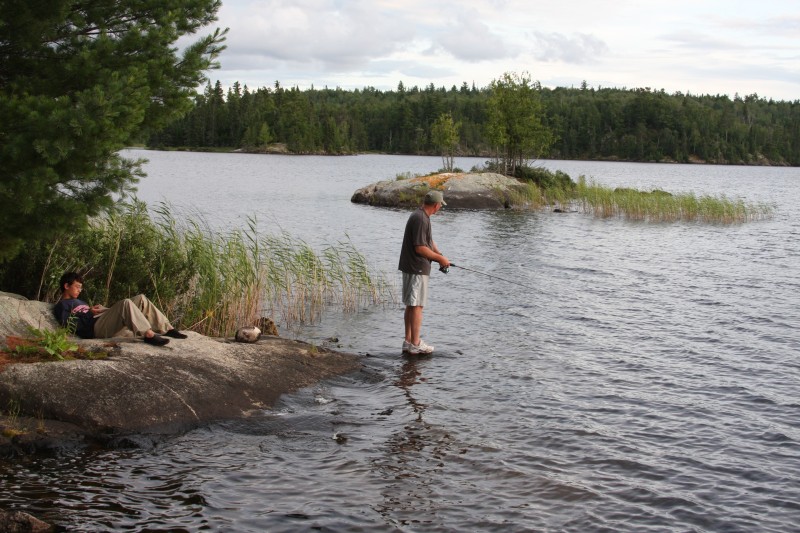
point(464, 190)
point(142, 389)
point(20, 521)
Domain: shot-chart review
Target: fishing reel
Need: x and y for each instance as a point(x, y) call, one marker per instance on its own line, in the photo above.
point(444, 270)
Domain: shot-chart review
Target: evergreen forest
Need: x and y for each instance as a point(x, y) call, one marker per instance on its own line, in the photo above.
point(586, 123)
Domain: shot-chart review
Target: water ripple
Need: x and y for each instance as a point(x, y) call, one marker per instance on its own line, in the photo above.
point(646, 381)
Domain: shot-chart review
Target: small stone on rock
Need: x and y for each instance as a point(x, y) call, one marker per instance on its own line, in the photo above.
point(248, 334)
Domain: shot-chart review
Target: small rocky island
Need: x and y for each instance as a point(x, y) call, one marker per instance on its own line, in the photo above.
point(462, 190)
point(135, 388)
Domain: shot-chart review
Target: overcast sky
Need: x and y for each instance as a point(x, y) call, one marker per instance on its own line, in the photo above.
point(695, 46)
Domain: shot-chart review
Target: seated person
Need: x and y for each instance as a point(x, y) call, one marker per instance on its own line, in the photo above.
point(138, 315)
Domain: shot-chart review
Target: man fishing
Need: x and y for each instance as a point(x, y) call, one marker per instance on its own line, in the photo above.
point(416, 254)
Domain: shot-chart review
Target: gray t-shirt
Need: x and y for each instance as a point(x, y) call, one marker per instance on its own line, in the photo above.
point(418, 233)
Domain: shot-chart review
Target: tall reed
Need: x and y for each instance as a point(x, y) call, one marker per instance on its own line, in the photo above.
point(542, 187)
point(242, 275)
point(662, 206)
point(209, 281)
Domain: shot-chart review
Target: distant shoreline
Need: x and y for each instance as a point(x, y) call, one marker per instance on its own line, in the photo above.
point(281, 149)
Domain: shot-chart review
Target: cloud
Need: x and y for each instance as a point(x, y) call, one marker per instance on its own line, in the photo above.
point(699, 41)
point(581, 48)
point(472, 40)
point(784, 26)
point(682, 45)
point(391, 71)
point(314, 32)
point(744, 73)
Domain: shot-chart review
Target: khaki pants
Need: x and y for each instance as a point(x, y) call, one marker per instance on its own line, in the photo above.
point(130, 316)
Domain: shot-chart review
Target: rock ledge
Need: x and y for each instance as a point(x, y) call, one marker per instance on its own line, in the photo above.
point(140, 388)
point(461, 191)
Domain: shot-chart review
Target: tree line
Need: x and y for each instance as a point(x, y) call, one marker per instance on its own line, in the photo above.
point(585, 123)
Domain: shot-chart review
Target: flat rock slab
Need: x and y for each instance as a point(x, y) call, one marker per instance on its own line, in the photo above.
point(461, 191)
point(141, 388)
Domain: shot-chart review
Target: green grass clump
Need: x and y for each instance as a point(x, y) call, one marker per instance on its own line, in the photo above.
point(542, 187)
point(56, 343)
point(46, 345)
point(405, 176)
point(661, 206)
point(13, 427)
point(528, 195)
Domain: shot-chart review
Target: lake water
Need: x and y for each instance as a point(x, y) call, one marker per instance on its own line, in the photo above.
point(646, 379)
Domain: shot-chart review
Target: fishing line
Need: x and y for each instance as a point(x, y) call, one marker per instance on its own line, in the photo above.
point(445, 270)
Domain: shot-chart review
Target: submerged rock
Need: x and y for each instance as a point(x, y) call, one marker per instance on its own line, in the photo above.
point(461, 191)
point(19, 522)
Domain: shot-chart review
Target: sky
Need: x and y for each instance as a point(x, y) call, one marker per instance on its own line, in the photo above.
point(698, 47)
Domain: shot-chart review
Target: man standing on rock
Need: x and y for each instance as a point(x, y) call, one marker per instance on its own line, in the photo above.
point(415, 262)
point(137, 314)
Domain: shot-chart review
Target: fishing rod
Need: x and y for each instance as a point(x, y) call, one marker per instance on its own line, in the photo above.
point(445, 270)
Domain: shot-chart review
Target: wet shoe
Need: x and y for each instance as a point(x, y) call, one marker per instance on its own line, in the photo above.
point(420, 349)
point(156, 340)
point(406, 346)
point(175, 334)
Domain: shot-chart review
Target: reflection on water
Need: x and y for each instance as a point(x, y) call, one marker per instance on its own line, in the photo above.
point(411, 460)
point(645, 379)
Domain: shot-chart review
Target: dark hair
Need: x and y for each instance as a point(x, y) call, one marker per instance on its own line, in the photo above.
point(68, 278)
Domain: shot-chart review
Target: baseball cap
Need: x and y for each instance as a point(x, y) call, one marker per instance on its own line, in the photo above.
point(435, 197)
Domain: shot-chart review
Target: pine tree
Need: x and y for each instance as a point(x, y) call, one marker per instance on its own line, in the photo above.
point(78, 82)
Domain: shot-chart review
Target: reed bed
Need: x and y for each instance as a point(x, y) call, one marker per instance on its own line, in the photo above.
point(661, 206)
point(209, 281)
point(242, 276)
point(528, 195)
point(542, 187)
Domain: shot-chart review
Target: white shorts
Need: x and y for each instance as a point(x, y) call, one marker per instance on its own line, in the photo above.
point(415, 289)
